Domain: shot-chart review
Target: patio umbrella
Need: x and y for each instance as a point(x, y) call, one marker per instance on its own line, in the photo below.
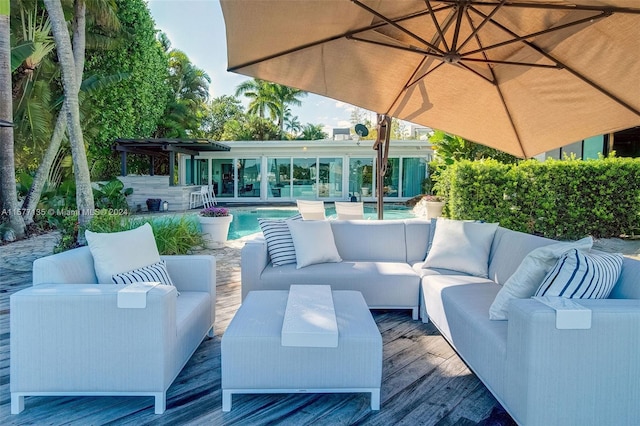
point(523, 76)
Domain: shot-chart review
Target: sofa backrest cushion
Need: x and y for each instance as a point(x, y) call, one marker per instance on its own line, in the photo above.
point(628, 285)
point(70, 267)
point(507, 251)
point(418, 234)
point(367, 240)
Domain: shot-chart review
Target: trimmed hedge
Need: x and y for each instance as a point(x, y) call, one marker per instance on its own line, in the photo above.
point(560, 199)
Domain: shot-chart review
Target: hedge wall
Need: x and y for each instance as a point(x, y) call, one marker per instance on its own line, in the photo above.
point(565, 199)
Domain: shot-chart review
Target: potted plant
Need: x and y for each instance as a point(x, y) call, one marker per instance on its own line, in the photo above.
point(153, 204)
point(434, 205)
point(215, 222)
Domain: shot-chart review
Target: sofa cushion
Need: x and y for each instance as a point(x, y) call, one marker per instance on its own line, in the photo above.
point(279, 242)
point(461, 246)
point(314, 242)
point(508, 250)
point(193, 321)
point(458, 306)
point(373, 241)
point(418, 235)
point(383, 284)
point(152, 273)
point(582, 275)
point(530, 273)
point(118, 252)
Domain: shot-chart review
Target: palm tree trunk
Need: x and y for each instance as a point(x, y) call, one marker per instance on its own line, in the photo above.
point(79, 42)
point(84, 192)
point(8, 192)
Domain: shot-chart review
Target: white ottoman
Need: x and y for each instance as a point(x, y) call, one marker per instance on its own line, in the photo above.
point(254, 361)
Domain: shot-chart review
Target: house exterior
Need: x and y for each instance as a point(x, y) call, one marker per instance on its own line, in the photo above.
point(329, 170)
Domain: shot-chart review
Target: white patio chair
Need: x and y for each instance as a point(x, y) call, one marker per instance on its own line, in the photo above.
point(349, 210)
point(194, 199)
point(311, 210)
point(212, 194)
point(205, 197)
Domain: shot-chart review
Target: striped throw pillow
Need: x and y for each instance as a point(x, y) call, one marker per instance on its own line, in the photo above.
point(582, 275)
point(156, 272)
point(279, 242)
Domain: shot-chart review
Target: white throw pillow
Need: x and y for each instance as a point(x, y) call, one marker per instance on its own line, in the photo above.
point(314, 242)
point(461, 246)
point(581, 275)
point(532, 270)
point(117, 252)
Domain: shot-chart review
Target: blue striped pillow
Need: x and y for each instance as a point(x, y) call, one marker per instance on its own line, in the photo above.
point(582, 275)
point(279, 242)
point(156, 272)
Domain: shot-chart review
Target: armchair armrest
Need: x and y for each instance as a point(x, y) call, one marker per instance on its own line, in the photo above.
point(194, 273)
point(579, 376)
point(73, 337)
point(254, 257)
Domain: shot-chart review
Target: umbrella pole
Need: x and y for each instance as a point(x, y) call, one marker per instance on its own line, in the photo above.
point(382, 146)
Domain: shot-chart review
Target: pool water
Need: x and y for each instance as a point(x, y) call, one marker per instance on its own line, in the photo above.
point(245, 220)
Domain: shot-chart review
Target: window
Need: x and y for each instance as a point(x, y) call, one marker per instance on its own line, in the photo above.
point(330, 177)
point(279, 177)
point(413, 173)
point(304, 178)
point(248, 177)
point(222, 171)
point(361, 176)
point(391, 178)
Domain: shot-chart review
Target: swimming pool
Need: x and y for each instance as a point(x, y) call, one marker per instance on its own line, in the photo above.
point(245, 219)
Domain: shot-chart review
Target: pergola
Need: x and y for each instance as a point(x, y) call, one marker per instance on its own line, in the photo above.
point(155, 147)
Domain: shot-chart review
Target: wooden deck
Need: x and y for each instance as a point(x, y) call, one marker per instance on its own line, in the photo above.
point(424, 381)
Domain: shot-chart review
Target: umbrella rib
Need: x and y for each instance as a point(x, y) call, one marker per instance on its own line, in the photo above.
point(329, 39)
point(393, 46)
point(517, 38)
point(437, 24)
point(572, 7)
point(482, 24)
point(491, 61)
point(567, 68)
point(399, 27)
point(493, 82)
point(497, 86)
point(417, 80)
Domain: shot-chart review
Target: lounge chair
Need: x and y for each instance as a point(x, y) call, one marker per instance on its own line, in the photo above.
point(349, 210)
point(311, 210)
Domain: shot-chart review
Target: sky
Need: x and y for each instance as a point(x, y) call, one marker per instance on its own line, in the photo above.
point(197, 28)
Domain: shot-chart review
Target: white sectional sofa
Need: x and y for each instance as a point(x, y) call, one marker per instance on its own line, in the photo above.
point(542, 375)
point(69, 337)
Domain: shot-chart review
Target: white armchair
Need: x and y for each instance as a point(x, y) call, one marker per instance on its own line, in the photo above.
point(68, 336)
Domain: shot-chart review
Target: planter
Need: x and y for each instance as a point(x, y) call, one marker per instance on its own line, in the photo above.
point(153, 204)
point(365, 191)
point(434, 208)
point(215, 230)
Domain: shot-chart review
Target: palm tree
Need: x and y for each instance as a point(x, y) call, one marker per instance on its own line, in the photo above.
point(104, 12)
point(8, 192)
point(312, 132)
point(262, 98)
point(292, 124)
point(70, 82)
point(285, 97)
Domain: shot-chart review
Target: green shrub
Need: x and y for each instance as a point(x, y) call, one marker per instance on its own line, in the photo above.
point(558, 199)
point(174, 235)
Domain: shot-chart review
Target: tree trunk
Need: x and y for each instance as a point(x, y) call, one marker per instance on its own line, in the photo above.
point(79, 42)
point(84, 192)
point(8, 192)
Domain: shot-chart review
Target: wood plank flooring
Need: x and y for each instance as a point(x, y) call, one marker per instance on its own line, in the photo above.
point(424, 381)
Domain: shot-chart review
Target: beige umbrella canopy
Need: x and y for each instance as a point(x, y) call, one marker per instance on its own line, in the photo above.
point(523, 76)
